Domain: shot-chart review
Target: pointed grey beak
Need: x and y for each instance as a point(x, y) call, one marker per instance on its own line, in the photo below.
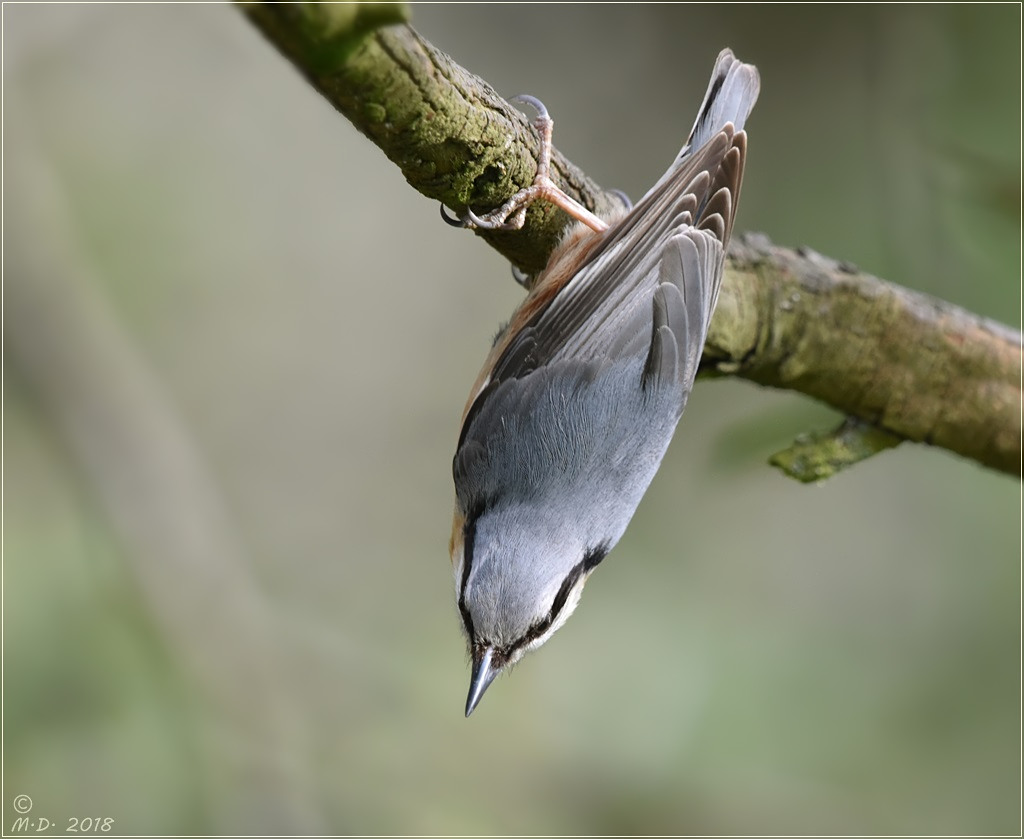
point(483, 675)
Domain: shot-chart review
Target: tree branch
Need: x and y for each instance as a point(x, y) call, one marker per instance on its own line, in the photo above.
point(907, 364)
point(899, 363)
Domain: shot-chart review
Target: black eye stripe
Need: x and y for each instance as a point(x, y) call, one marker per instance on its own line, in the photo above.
point(542, 626)
point(563, 592)
point(476, 510)
point(468, 537)
point(590, 560)
point(594, 556)
point(588, 563)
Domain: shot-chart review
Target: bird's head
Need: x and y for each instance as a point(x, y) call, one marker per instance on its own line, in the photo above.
point(518, 577)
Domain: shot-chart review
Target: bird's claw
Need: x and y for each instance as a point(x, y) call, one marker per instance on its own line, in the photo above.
point(512, 214)
point(452, 221)
point(520, 276)
point(542, 118)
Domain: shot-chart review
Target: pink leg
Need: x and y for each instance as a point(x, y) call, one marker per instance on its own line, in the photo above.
point(512, 214)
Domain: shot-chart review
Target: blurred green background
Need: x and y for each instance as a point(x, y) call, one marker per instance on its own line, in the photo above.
point(237, 347)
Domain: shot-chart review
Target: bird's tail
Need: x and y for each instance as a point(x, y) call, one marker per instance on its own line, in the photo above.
point(731, 95)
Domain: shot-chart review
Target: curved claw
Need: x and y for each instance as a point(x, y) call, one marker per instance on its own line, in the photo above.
point(627, 202)
point(453, 221)
point(533, 102)
point(471, 221)
point(511, 214)
point(521, 277)
point(477, 222)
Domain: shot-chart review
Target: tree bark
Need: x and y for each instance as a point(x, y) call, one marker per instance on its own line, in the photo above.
point(899, 364)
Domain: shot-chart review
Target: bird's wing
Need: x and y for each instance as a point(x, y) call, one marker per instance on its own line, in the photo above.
point(674, 237)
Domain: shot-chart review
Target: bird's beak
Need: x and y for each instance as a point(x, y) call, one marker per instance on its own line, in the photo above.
point(483, 675)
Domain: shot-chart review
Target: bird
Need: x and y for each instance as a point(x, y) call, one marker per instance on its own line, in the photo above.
point(580, 395)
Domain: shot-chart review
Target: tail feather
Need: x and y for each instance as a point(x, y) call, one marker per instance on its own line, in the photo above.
point(730, 97)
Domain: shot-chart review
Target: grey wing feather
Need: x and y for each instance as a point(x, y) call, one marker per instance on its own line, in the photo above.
point(608, 301)
point(676, 234)
point(663, 359)
point(690, 276)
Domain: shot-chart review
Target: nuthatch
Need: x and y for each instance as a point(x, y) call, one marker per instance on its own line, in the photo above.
point(576, 404)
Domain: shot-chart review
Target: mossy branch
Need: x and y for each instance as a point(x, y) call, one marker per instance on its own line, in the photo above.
point(900, 365)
